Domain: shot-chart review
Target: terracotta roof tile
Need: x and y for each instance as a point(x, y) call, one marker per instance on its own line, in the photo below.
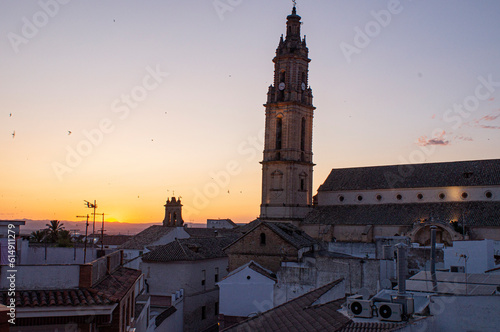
point(53, 298)
point(117, 284)
point(188, 250)
point(371, 327)
point(299, 315)
point(146, 237)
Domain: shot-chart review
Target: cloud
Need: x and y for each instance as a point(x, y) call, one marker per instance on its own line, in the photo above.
point(479, 123)
point(438, 140)
point(463, 138)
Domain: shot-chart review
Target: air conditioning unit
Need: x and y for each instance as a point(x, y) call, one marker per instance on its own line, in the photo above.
point(359, 307)
point(389, 311)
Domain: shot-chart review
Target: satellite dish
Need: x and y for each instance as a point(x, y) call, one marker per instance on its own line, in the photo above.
point(386, 284)
point(365, 293)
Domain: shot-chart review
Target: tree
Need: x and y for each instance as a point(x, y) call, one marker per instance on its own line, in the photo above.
point(64, 239)
point(53, 229)
point(38, 236)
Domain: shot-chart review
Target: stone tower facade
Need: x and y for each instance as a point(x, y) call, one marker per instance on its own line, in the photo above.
point(287, 168)
point(173, 213)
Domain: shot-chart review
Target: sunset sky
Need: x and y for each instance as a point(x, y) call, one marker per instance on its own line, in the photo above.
point(126, 102)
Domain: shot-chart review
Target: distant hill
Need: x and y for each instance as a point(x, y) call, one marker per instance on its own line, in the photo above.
point(111, 228)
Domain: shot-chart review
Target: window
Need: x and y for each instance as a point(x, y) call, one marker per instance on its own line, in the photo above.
point(488, 194)
point(262, 239)
point(303, 135)
point(379, 197)
point(360, 198)
point(341, 198)
point(216, 308)
point(204, 312)
point(399, 197)
point(216, 274)
point(279, 129)
point(442, 196)
point(303, 183)
point(277, 180)
point(203, 277)
point(465, 195)
point(420, 196)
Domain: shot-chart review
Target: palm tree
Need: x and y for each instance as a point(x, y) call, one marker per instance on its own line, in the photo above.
point(38, 236)
point(64, 239)
point(53, 229)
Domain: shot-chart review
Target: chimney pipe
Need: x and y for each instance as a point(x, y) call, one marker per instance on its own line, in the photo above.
point(433, 251)
point(433, 256)
point(401, 251)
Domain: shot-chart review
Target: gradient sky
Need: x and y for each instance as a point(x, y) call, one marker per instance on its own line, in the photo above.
point(198, 130)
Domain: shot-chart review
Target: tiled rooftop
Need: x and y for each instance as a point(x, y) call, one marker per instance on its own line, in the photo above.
point(188, 250)
point(475, 213)
point(117, 284)
point(146, 237)
point(299, 315)
point(371, 327)
point(288, 232)
point(460, 173)
point(54, 298)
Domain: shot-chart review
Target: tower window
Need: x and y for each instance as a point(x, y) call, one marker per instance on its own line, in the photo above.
point(379, 197)
point(203, 312)
point(279, 130)
point(262, 239)
point(420, 196)
point(341, 198)
point(399, 197)
point(360, 198)
point(282, 76)
point(303, 178)
point(277, 180)
point(488, 194)
point(465, 195)
point(303, 135)
point(442, 196)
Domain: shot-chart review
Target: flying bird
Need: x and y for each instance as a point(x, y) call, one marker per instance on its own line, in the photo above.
point(10, 114)
point(69, 132)
point(14, 134)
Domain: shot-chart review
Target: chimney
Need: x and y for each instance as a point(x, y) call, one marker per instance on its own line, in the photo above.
point(433, 255)
point(402, 264)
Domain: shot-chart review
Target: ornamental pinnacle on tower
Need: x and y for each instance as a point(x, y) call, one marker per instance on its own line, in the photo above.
point(287, 166)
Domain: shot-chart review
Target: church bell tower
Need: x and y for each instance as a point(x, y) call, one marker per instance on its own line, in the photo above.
point(287, 167)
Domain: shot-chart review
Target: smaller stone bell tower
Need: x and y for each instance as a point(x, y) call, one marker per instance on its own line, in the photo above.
point(173, 213)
